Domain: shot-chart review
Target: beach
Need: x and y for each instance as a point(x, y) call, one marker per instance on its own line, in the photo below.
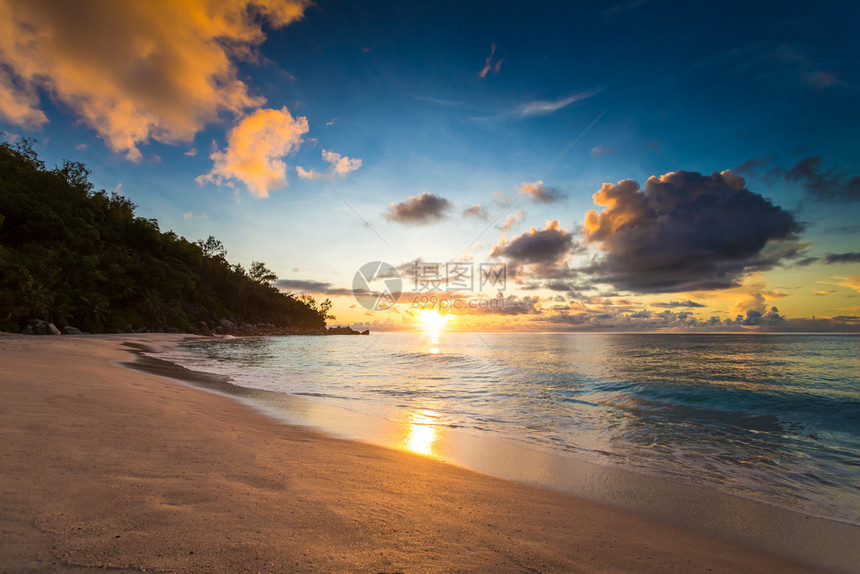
point(104, 466)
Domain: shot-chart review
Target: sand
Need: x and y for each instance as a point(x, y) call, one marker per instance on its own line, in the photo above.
point(103, 466)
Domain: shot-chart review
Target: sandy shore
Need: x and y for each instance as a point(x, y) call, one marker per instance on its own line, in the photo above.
point(106, 467)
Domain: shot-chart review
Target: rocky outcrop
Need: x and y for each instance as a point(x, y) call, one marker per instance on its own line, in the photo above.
point(345, 330)
point(69, 330)
point(40, 327)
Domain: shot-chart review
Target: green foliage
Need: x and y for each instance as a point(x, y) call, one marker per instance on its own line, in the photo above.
point(75, 256)
point(259, 272)
point(322, 308)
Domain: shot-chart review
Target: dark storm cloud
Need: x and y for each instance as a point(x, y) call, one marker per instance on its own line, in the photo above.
point(821, 184)
point(853, 257)
point(684, 231)
point(419, 209)
point(548, 245)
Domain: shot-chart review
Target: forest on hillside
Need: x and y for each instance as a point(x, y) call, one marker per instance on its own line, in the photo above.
point(78, 257)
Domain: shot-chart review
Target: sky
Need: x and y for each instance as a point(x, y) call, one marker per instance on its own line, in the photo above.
point(547, 166)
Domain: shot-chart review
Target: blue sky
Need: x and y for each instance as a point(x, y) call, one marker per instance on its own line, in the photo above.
point(467, 102)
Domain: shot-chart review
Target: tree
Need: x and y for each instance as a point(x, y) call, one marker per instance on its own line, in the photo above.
point(260, 273)
point(212, 247)
point(74, 256)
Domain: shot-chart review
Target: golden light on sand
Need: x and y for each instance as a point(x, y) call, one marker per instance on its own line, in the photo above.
point(422, 434)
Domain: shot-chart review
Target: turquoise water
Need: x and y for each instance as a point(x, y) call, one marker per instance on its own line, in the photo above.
point(775, 418)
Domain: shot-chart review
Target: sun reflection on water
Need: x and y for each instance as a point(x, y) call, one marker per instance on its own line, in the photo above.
point(421, 432)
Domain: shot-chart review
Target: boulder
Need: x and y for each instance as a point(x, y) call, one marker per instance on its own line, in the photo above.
point(40, 327)
point(69, 330)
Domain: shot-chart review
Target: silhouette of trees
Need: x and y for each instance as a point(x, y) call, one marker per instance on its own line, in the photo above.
point(75, 256)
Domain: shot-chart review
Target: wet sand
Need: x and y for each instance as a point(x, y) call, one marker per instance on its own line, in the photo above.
point(107, 467)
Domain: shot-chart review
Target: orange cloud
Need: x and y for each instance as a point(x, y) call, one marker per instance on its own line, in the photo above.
point(18, 104)
point(254, 149)
point(511, 220)
point(850, 282)
point(133, 71)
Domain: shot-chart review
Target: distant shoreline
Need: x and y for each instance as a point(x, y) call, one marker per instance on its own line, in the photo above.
point(109, 467)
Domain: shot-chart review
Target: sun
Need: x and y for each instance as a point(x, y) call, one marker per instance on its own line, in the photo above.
point(432, 320)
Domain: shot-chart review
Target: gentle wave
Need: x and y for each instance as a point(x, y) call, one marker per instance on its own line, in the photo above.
point(774, 418)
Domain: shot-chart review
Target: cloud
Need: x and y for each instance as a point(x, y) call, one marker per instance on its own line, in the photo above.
point(511, 220)
point(676, 304)
point(477, 211)
point(191, 153)
point(544, 107)
point(543, 246)
point(190, 215)
point(340, 164)
point(311, 287)
point(685, 231)
point(419, 209)
point(755, 318)
point(598, 151)
point(537, 192)
point(19, 101)
point(81, 147)
point(490, 64)
point(307, 174)
point(254, 149)
point(510, 305)
point(852, 257)
point(820, 184)
point(752, 301)
point(133, 71)
point(850, 282)
point(831, 258)
point(751, 166)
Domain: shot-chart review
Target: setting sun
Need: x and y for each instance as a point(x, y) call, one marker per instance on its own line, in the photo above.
point(432, 320)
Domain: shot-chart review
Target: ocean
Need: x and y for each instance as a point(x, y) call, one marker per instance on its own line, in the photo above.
point(772, 418)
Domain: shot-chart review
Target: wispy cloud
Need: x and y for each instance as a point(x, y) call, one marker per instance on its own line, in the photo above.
point(511, 220)
point(598, 151)
point(491, 64)
point(546, 107)
point(190, 215)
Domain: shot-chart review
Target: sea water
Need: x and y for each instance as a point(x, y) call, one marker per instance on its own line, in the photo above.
point(774, 418)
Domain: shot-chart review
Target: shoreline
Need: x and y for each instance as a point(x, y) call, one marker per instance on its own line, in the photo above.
point(782, 530)
point(111, 467)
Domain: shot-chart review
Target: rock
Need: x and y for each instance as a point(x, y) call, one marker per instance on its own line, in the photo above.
point(69, 330)
point(40, 327)
point(366, 332)
point(226, 324)
point(341, 330)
